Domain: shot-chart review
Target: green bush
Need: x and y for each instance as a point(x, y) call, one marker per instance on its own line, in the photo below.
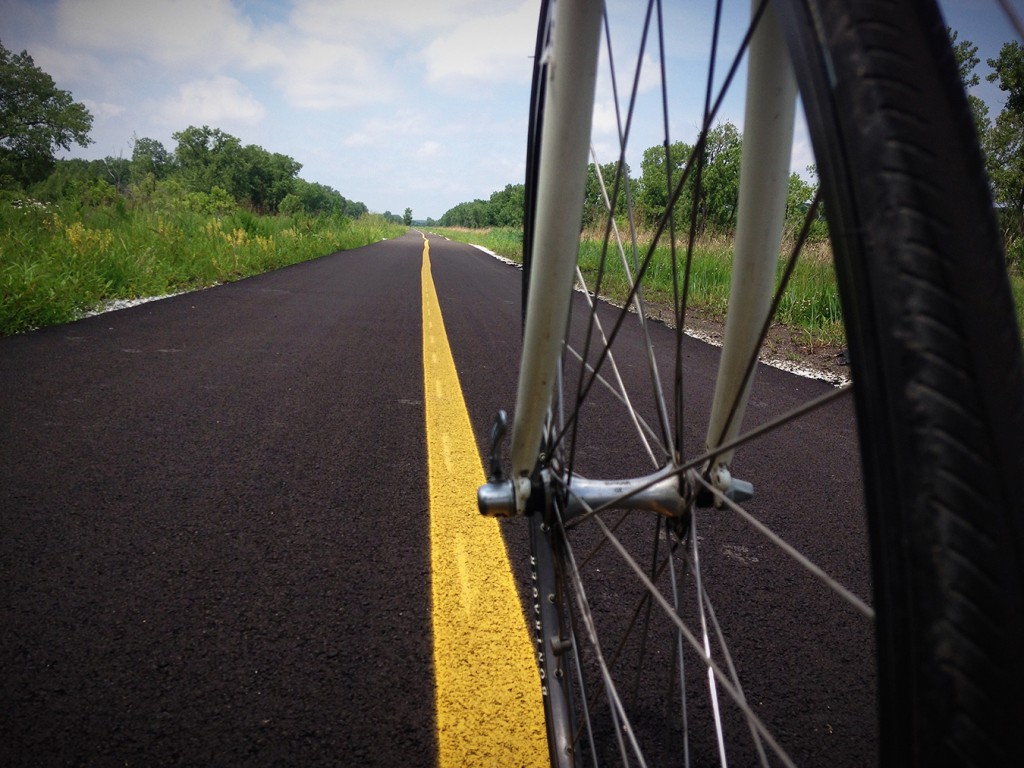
point(59, 261)
point(216, 202)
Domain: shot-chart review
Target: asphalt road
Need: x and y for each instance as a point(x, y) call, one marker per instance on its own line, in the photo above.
point(214, 524)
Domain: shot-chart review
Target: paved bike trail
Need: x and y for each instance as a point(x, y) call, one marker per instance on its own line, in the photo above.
point(214, 529)
point(213, 518)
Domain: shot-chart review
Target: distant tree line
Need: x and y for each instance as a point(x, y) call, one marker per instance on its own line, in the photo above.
point(208, 168)
point(648, 193)
point(503, 209)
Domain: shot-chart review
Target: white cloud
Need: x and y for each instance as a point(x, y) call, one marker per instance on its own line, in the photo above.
point(605, 122)
point(357, 140)
point(359, 91)
point(399, 128)
point(495, 48)
point(650, 73)
point(389, 21)
point(177, 33)
point(69, 67)
point(219, 101)
point(428, 149)
point(321, 75)
point(320, 54)
point(335, 54)
point(102, 110)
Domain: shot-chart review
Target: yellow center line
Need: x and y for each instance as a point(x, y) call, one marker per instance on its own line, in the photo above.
point(489, 710)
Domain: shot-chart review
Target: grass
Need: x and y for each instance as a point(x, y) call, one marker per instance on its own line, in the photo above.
point(59, 262)
point(809, 308)
point(504, 241)
point(810, 305)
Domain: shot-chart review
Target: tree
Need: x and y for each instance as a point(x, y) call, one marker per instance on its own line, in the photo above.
point(473, 215)
point(149, 156)
point(36, 119)
point(261, 179)
point(1004, 143)
point(652, 193)
point(609, 181)
point(1008, 71)
point(505, 207)
point(352, 208)
point(799, 197)
point(966, 54)
point(407, 217)
point(290, 205)
point(316, 199)
point(68, 180)
point(207, 158)
point(720, 180)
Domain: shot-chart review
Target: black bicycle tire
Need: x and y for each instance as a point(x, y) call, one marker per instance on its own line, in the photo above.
point(534, 128)
point(923, 280)
point(924, 291)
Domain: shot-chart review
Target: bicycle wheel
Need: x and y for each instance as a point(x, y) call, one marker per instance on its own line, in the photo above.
point(648, 641)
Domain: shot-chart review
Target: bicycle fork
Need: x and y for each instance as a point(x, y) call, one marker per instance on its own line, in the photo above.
point(764, 179)
point(764, 183)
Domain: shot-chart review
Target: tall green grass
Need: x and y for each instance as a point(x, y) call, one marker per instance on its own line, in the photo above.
point(58, 262)
point(810, 304)
point(504, 241)
point(809, 307)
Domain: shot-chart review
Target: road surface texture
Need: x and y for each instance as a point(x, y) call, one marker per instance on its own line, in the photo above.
point(214, 524)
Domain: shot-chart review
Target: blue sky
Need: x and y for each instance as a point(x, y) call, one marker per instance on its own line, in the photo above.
point(396, 103)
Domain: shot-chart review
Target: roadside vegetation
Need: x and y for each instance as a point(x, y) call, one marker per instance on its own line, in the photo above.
point(61, 260)
point(77, 234)
point(810, 307)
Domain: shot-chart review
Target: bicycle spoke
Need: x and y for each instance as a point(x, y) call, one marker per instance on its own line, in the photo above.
point(863, 608)
point(1014, 17)
point(645, 632)
point(667, 613)
point(617, 709)
point(701, 459)
point(773, 309)
point(619, 391)
point(721, 679)
point(680, 660)
point(638, 300)
point(643, 657)
point(706, 644)
point(706, 602)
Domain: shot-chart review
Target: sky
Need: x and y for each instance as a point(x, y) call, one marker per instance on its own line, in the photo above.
point(398, 104)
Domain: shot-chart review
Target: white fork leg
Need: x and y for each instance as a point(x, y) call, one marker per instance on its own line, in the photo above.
point(565, 143)
point(764, 180)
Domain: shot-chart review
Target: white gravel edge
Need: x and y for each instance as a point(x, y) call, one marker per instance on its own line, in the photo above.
point(116, 304)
